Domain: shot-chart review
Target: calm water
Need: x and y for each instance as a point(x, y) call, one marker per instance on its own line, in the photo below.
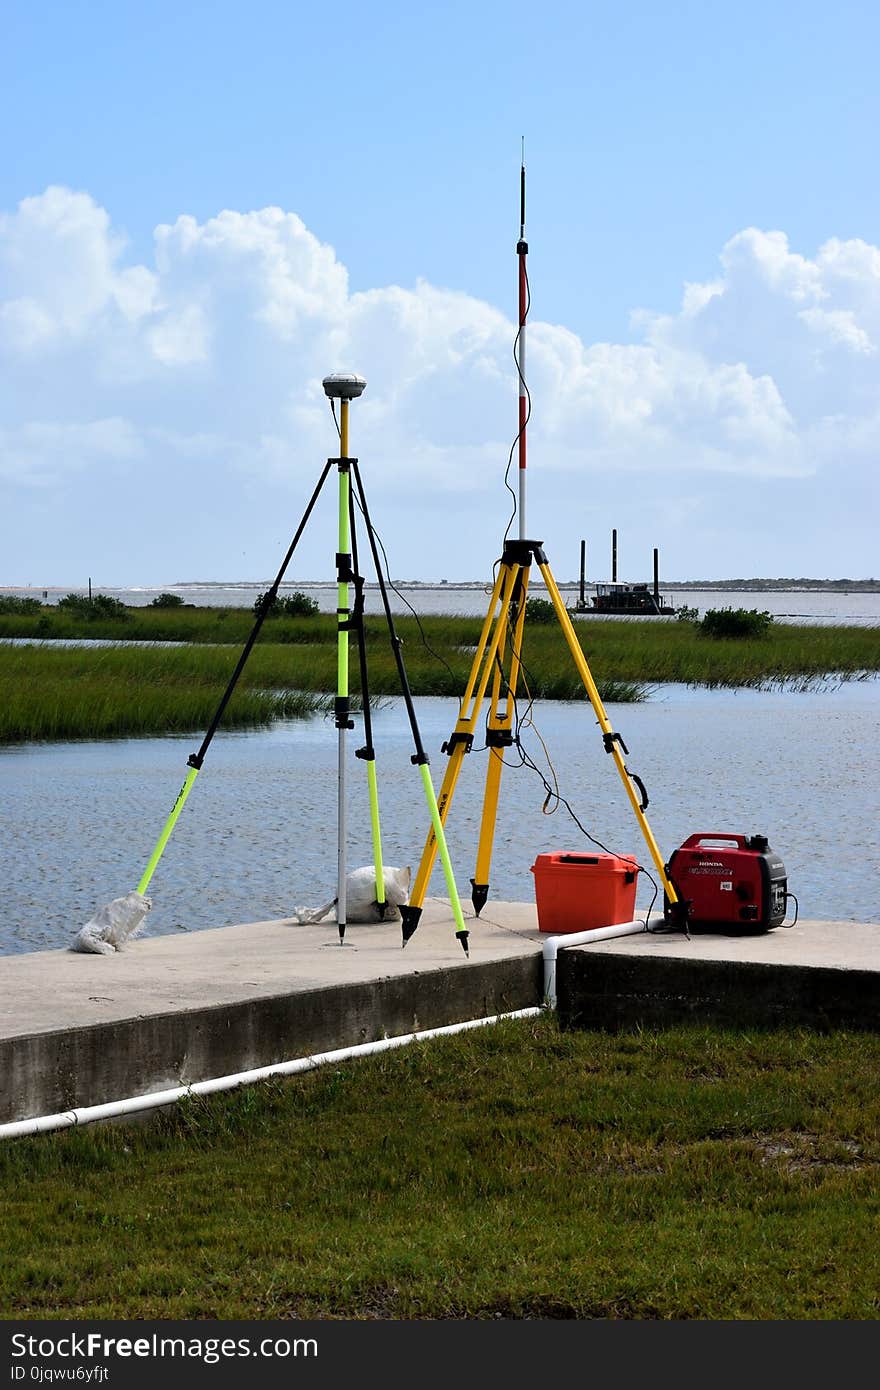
point(858, 609)
point(258, 834)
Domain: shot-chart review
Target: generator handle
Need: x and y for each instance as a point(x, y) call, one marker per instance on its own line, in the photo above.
point(643, 805)
point(692, 840)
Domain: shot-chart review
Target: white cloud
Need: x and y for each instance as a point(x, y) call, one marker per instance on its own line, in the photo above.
point(765, 256)
point(838, 326)
point(204, 369)
point(181, 338)
point(37, 452)
point(59, 271)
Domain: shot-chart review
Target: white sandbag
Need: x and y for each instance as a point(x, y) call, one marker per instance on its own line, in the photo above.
point(113, 925)
point(360, 897)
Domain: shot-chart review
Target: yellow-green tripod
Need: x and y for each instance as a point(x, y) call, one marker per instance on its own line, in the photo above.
point(504, 627)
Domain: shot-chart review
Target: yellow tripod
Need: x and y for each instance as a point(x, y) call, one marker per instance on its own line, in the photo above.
point(504, 624)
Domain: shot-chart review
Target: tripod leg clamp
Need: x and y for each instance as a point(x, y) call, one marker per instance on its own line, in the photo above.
point(341, 710)
point(499, 738)
point(456, 738)
point(609, 741)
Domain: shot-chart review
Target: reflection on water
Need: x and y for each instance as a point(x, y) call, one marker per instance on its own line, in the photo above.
point(258, 835)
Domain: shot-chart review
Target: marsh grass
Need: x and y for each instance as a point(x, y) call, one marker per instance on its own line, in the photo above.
point(161, 624)
point(60, 693)
point(649, 651)
point(514, 1171)
point(147, 689)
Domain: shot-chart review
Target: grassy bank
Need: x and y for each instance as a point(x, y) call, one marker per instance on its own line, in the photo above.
point(59, 693)
point(513, 1171)
point(48, 692)
point(51, 692)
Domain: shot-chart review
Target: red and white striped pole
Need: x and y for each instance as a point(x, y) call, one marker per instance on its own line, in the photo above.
point(522, 250)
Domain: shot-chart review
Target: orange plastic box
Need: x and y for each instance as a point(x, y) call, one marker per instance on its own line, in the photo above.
point(578, 892)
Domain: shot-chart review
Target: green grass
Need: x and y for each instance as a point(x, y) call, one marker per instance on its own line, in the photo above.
point(512, 1171)
point(632, 651)
point(60, 693)
point(46, 693)
point(148, 624)
point(51, 692)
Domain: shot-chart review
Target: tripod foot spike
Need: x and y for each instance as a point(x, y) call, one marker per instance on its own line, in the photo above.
point(679, 915)
point(479, 895)
point(341, 932)
point(410, 919)
point(463, 938)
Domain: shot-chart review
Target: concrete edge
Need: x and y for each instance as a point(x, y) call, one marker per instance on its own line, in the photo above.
point(611, 992)
point(45, 1073)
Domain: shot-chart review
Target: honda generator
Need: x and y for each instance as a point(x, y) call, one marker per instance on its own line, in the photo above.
point(728, 881)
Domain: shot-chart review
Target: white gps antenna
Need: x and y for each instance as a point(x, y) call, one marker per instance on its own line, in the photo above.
point(343, 386)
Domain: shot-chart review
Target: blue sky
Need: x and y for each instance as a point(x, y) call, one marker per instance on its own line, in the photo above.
point(160, 408)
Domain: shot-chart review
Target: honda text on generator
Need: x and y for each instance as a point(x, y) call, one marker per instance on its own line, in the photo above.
point(729, 881)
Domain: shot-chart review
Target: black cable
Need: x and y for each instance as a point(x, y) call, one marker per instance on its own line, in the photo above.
point(356, 618)
point(388, 579)
point(396, 644)
point(553, 793)
point(391, 585)
point(525, 759)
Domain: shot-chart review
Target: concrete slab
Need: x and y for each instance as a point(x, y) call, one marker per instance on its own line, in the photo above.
point(835, 945)
point(80, 1030)
point(48, 990)
point(816, 975)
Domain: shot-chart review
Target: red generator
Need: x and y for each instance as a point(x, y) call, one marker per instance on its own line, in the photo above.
point(729, 881)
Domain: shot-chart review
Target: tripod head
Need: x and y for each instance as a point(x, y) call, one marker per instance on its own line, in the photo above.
point(343, 386)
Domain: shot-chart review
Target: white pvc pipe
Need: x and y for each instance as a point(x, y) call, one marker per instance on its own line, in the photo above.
point(554, 944)
point(87, 1114)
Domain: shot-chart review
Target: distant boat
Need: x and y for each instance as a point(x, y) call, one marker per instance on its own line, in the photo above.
point(626, 599)
point(623, 599)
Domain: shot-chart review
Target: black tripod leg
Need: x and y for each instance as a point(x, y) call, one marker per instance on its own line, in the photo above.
point(197, 759)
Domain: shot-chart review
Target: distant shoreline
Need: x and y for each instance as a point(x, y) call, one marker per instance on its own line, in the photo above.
point(756, 586)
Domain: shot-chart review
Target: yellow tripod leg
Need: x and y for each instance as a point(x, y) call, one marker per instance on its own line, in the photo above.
point(611, 739)
point(499, 737)
point(462, 736)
